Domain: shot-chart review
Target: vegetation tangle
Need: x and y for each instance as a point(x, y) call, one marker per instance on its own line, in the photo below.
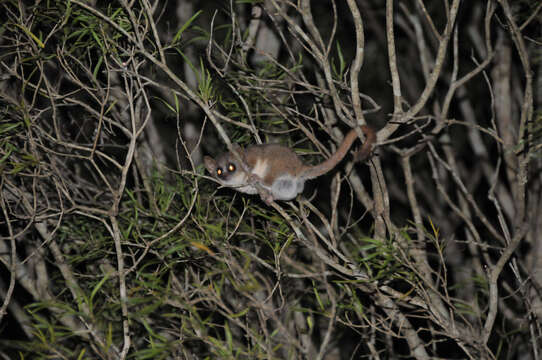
point(117, 244)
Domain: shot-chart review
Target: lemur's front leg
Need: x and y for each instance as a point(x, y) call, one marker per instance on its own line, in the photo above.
point(265, 194)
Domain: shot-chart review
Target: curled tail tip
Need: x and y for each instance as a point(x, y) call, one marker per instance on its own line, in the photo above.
point(362, 155)
point(366, 150)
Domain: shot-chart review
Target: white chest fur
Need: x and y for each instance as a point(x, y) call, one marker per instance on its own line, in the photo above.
point(261, 168)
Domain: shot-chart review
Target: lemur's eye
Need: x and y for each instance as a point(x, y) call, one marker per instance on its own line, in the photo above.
point(231, 168)
point(219, 171)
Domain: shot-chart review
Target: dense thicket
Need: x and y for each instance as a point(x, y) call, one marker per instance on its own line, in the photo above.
point(116, 244)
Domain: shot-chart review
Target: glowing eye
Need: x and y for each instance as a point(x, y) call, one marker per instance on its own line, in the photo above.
point(219, 171)
point(231, 168)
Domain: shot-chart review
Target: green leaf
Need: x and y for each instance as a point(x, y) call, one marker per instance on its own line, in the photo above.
point(34, 37)
point(98, 286)
point(4, 128)
point(309, 322)
point(318, 296)
point(229, 339)
point(342, 64)
point(177, 36)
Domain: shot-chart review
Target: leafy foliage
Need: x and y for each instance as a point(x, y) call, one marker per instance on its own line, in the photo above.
point(117, 245)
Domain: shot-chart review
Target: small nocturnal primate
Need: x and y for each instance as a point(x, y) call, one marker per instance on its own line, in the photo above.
point(277, 168)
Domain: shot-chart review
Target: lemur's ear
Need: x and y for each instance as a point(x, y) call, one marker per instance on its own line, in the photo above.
point(240, 151)
point(210, 164)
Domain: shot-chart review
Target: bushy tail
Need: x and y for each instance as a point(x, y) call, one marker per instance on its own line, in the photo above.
point(320, 169)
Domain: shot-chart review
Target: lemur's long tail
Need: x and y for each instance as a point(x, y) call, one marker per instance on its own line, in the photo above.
point(320, 169)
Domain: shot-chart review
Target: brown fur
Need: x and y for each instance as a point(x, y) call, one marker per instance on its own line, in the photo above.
point(312, 172)
point(277, 168)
